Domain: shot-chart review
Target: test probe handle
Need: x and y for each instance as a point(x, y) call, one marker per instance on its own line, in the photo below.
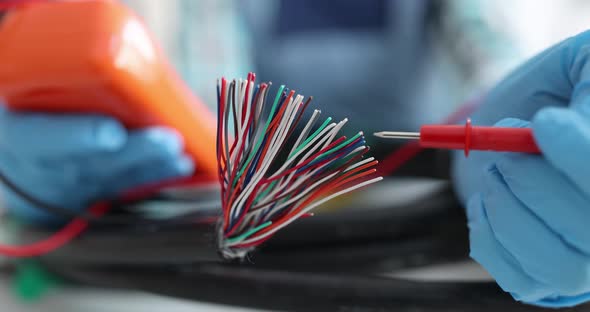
point(468, 137)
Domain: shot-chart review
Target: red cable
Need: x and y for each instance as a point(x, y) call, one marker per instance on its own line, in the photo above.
point(58, 239)
point(78, 225)
point(398, 157)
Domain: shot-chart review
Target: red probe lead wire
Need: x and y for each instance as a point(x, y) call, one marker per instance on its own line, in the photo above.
point(78, 225)
point(470, 137)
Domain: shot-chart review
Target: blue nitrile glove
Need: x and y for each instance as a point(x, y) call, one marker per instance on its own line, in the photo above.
point(529, 214)
point(72, 160)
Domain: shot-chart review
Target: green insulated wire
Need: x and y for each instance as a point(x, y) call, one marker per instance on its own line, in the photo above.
point(343, 144)
point(263, 194)
point(291, 182)
point(302, 145)
point(257, 146)
point(249, 232)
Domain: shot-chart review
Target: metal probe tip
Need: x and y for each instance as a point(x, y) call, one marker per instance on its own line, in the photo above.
point(398, 135)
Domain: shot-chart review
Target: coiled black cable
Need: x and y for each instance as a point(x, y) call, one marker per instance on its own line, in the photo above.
point(333, 261)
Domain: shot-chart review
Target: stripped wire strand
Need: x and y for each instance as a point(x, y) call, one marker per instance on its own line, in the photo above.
point(78, 225)
point(267, 183)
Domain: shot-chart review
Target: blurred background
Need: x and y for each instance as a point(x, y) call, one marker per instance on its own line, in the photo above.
point(396, 54)
point(388, 64)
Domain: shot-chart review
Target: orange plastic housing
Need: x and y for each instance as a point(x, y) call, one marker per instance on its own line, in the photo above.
point(96, 56)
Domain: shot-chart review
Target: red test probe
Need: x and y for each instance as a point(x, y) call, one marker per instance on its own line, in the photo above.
point(470, 137)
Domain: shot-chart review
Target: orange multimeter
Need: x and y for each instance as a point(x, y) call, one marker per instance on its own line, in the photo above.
point(96, 56)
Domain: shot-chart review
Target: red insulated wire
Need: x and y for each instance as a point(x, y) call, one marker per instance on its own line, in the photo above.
point(352, 176)
point(315, 195)
point(398, 158)
point(299, 115)
point(302, 106)
point(78, 225)
point(271, 130)
point(55, 241)
point(255, 100)
point(310, 159)
point(234, 110)
point(279, 116)
point(220, 127)
point(273, 126)
point(227, 203)
point(266, 181)
point(250, 78)
point(252, 107)
point(343, 167)
point(231, 195)
point(144, 191)
point(235, 169)
point(349, 176)
point(304, 186)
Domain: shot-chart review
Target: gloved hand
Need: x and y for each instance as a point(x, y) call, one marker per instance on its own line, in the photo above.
point(528, 214)
point(72, 160)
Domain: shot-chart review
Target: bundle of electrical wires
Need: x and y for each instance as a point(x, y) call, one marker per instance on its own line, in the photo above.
point(333, 261)
point(266, 183)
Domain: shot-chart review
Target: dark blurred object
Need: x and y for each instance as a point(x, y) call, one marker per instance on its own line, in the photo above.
point(348, 15)
point(329, 262)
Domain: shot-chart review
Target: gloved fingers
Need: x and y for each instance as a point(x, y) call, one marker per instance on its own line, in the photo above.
point(150, 172)
point(528, 239)
point(579, 73)
point(35, 135)
point(564, 138)
point(580, 101)
point(466, 171)
point(77, 196)
point(143, 146)
point(54, 186)
point(512, 123)
point(487, 251)
point(564, 209)
point(563, 301)
point(32, 175)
